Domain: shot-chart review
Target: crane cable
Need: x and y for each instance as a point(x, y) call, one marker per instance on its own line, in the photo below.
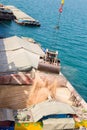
point(61, 6)
point(60, 12)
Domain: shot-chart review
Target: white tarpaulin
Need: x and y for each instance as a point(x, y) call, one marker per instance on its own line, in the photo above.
point(6, 114)
point(59, 124)
point(50, 108)
point(18, 60)
point(16, 54)
point(14, 43)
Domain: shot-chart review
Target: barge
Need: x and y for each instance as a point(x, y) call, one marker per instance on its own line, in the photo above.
point(32, 96)
point(23, 18)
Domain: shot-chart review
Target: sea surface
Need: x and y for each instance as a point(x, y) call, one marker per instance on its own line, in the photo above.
point(70, 39)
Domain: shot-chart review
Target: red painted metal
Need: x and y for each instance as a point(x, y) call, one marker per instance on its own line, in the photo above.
point(19, 79)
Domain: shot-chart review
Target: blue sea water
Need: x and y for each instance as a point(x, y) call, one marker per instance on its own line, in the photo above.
point(70, 40)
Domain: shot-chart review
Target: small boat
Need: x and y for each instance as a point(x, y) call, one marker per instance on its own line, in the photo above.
point(6, 14)
point(4, 10)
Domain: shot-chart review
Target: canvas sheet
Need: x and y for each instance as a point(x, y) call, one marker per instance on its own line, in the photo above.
point(6, 114)
point(58, 124)
point(50, 108)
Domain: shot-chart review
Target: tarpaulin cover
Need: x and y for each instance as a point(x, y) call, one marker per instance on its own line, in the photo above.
point(17, 54)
